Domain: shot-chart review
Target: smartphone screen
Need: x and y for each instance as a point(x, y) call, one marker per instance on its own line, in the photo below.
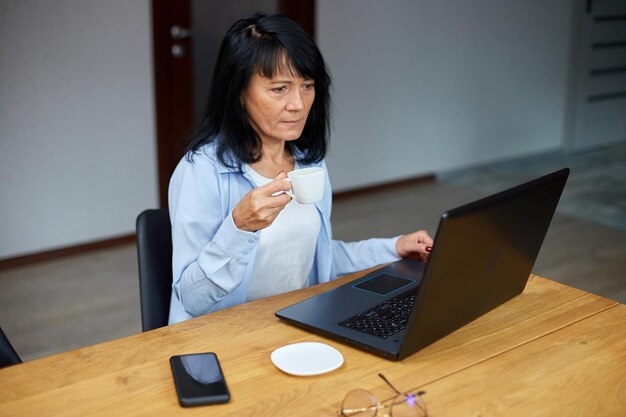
point(198, 379)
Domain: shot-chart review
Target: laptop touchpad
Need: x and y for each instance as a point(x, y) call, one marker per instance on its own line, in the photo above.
point(384, 284)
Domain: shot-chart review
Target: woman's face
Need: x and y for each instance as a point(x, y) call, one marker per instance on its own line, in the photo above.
point(278, 107)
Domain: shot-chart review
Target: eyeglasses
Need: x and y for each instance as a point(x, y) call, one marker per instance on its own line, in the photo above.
point(362, 403)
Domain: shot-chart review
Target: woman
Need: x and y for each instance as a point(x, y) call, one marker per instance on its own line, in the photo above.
point(236, 235)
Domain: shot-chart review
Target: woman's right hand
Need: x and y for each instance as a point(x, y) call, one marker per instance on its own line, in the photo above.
point(259, 208)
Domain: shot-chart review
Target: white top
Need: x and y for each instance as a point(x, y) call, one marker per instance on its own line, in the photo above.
point(286, 249)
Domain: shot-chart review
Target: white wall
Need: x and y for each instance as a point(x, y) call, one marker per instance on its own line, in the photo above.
point(420, 86)
point(77, 136)
point(425, 86)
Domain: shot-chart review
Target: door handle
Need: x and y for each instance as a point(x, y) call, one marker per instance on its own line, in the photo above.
point(178, 32)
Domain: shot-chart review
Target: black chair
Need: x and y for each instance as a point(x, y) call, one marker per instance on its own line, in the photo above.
point(154, 252)
point(8, 355)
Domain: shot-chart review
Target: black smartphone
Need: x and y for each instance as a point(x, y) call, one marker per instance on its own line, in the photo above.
point(199, 379)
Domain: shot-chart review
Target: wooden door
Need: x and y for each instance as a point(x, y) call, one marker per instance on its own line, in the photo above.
point(173, 84)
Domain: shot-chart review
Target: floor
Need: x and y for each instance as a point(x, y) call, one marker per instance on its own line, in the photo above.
point(81, 300)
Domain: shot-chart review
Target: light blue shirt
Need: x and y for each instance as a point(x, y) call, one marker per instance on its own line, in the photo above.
point(213, 260)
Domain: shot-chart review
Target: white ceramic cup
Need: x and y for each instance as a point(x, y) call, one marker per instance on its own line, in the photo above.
point(307, 184)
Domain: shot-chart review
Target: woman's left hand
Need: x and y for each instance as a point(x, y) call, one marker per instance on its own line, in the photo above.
point(416, 245)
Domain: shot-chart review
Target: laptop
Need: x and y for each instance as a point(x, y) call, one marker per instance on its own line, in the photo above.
point(482, 257)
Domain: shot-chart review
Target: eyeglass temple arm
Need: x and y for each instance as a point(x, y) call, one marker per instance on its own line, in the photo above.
point(420, 393)
point(390, 384)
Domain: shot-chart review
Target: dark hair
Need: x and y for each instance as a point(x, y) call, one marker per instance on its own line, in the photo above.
point(268, 44)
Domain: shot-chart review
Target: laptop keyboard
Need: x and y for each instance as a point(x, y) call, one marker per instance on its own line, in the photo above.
point(384, 319)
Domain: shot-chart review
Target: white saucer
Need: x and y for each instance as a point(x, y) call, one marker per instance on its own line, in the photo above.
point(307, 358)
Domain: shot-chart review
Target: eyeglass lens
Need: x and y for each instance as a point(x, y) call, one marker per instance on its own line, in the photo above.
point(359, 403)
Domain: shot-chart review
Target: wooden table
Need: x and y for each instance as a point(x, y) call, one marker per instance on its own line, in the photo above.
point(552, 348)
point(579, 370)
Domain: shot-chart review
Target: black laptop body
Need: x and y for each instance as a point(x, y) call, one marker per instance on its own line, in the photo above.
point(483, 255)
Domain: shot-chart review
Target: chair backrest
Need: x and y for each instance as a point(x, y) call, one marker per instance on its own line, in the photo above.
point(154, 253)
point(8, 355)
